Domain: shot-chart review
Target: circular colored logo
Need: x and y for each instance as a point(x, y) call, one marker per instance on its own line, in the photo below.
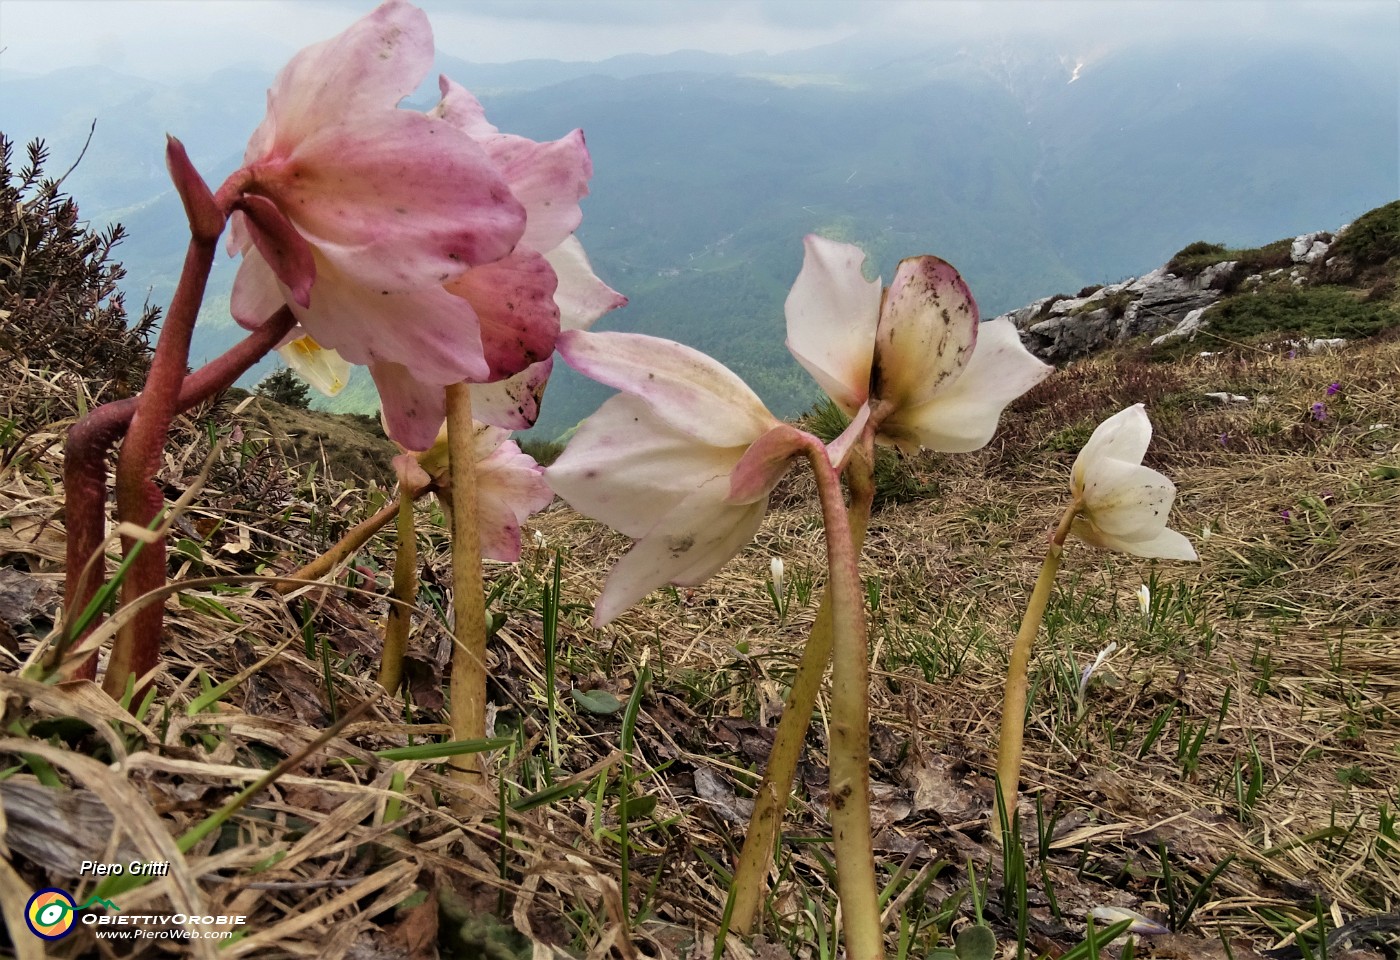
point(49, 913)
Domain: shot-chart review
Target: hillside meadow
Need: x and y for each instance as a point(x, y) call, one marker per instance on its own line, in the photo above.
point(1227, 770)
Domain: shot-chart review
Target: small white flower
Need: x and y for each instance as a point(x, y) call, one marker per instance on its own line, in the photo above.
point(1124, 505)
point(775, 568)
point(1144, 599)
point(1089, 670)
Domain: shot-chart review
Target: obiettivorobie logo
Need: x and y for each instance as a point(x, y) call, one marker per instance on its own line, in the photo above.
point(50, 912)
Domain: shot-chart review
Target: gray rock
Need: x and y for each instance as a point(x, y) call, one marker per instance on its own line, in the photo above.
point(1188, 327)
point(1310, 247)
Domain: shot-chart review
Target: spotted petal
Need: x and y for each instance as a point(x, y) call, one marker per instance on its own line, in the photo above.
point(963, 415)
point(928, 328)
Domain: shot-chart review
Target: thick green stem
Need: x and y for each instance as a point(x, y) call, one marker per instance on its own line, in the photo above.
point(406, 592)
point(849, 763)
point(1013, 709)
point(467, 688)
point(750, 873)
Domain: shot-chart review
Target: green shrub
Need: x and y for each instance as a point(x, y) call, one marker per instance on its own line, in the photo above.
point(1373, 238)
point(286, 388)
point(544, 452)
point(895, 479)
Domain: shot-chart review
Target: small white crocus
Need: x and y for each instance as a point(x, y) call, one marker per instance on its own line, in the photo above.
point(1143, 926)
point(1122, 504)
point(1144, 599)
point(1088, 671)
point(775, 569)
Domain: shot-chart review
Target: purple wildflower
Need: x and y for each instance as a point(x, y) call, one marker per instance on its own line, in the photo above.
point(1333, 389)
point(1319, 411)
point(1286, 514)
point(1225, 439)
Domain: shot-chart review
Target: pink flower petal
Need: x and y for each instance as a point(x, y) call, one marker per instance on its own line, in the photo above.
point(395, 198)
point(691, 391)
point(963, 416)
point(510, 487)
point(433, 333)
point(549, 178)
point(256, 294)
point(463, 110)
point(764, 463)
point(628, 468)
point(285, 250)
point(688, 546)
point(832, 312)
point(513, 403)
point(372, 65)
point(839, 450)
point(928, 327)
point(581, 296)
point(413, 411)
point(513, 299)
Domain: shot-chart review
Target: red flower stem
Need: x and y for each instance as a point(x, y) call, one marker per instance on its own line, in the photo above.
point(90, 441)
point(1013, 707)
point(849, 762)
point(771, 800)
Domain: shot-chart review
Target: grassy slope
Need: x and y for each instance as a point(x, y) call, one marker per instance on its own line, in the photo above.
point(1250, 714)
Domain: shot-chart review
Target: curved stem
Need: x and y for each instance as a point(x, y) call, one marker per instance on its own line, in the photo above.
point(1013, 708)
point(139, 500)
point(750, 873)
point(405, 591)
point(850, 725)
point(85, 470)
point(467, 688)
point(355, 538)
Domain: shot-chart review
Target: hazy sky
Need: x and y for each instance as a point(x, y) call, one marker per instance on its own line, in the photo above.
point(161, 38)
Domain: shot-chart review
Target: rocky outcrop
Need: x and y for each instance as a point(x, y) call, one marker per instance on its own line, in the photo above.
point(1162, 304)
point(1059, 329)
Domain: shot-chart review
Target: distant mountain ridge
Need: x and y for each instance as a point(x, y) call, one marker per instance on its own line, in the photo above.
point(1029, 169)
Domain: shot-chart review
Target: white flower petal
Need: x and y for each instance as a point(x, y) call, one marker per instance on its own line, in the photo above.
point(324, 369)
point(693, 392)
point(1127, 500)
point(627, 468)
point(582, 298)
point(1123, 436)
point(688, 546)
point(510, 487)
point(832, 312)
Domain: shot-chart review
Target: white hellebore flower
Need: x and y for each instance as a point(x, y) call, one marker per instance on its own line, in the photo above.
point(682, 460)
point(1124, 505)
point(914, 358)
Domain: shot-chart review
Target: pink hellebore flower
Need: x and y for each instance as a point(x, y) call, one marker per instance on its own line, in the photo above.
point(510, 486)
point(409, 243)
point(1124, 505)
point(682, 460)
point(914, 358)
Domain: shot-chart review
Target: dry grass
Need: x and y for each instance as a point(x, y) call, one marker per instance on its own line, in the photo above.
point(1282, 646)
